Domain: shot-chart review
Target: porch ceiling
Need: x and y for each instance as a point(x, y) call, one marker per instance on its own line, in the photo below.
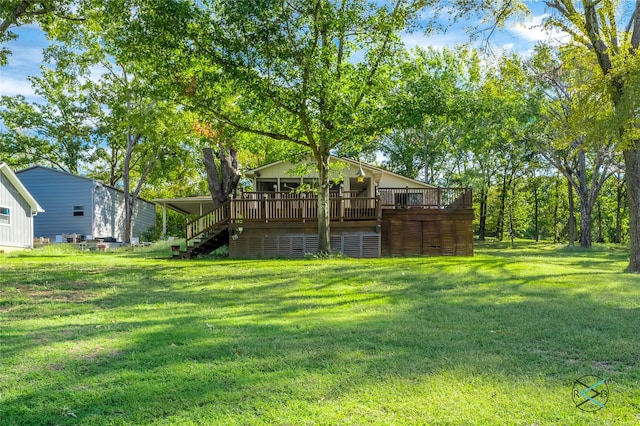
point(187, 206)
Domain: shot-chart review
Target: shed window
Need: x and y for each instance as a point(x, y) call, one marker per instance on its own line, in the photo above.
point(78, 210)
point(5, 216)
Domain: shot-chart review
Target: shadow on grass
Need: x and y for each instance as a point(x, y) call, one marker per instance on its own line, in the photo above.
point(233, 339)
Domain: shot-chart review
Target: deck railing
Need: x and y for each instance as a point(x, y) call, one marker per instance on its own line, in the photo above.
point(208, 222)
point(435, 198)
point(293, 207)
point(343, 206)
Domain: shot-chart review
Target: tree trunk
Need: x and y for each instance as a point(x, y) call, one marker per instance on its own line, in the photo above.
point(324, 218)
point(130, 197)
point(126, 186)
point(503, 198)
point(230, 170)
point(482, 226)
point(586, 202)
point(619, 198)
point(128, 206)
point(536, 211)
point(224, 182)
point(632, 168)
point(556, 236)
point(572, 215)
point(512, 224)
point(585, 223)
point(213, 178)
point(600, 237)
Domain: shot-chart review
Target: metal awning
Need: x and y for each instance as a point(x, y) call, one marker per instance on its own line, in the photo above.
point(194, 206)
point(188, 206)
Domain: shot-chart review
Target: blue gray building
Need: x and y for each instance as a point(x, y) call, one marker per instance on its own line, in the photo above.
point(81, 205)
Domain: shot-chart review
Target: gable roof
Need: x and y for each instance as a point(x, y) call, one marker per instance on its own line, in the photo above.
point(62, 172)
point(22, 190)
point(366, 166)
point(90, 179)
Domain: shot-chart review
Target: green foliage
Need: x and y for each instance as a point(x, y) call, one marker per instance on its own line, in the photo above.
point(425, 109)
point(56, 132)
point(15, 13)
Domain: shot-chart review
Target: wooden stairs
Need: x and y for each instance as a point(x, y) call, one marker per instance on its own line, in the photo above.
point(206, 233)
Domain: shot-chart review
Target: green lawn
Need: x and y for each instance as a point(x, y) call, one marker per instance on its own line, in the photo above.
point(131, 338)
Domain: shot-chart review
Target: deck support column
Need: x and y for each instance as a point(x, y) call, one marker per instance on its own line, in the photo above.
point(164, 219)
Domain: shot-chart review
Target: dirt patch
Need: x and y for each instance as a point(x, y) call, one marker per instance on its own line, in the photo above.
point(55, 295)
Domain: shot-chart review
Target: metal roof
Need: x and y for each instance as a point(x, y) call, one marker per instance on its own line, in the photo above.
point(189, 206)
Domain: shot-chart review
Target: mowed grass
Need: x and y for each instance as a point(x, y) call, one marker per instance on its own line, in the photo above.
point(131, 338)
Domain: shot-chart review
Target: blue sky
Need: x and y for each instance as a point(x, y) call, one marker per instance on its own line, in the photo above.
point(516, 37)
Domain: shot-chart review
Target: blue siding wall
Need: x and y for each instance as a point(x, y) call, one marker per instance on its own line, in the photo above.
point(58, 192)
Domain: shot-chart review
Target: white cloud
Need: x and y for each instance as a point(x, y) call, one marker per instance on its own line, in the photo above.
point(10, 86)
point(437, 41)
point(24, 57)
point(533, 31)
point(25, 60)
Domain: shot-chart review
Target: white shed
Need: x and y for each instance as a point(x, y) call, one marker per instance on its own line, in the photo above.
point(17, 209)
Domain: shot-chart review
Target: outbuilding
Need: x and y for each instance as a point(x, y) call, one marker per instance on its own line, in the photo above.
point(82, 206)
point(17, 211)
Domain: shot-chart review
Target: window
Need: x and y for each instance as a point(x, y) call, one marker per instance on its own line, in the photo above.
point(78, 210)
point(415, 199)
point(408, 199)
point(5, 216)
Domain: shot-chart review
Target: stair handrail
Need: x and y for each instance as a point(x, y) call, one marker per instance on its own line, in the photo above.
point(206, 222)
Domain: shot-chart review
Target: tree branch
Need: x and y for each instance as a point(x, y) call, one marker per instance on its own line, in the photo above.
point(18, 11)
point(278, 136)
point(635, 35)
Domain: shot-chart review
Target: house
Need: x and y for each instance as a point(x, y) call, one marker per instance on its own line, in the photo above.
point(81, 205)
point(17, 210)
point(373, 212)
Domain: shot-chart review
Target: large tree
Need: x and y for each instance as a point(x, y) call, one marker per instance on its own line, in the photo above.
point(594, 25)
point(57, 131)
point(306, 72)
point(570, 141)
point(136, 128)
point(432, 92)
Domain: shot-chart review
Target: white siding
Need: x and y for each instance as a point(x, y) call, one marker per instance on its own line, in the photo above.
point(108, 205)
point(283, 170)
point(19, 233)
point(144, 217)
point(389, 180)
point(109, 214)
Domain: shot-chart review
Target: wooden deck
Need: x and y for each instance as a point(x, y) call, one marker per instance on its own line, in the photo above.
point(402, 221)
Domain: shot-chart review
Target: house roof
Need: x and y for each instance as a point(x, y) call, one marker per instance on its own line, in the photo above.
point(78, 177)
point(188, 205)
point(22, 190)
point(369, 167)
